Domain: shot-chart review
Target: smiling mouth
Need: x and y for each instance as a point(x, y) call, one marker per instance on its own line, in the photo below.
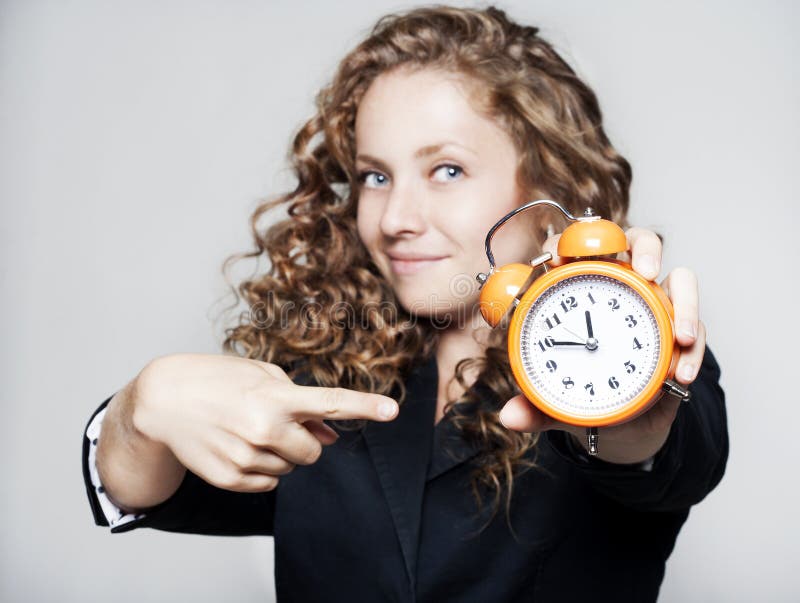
point(404, 266)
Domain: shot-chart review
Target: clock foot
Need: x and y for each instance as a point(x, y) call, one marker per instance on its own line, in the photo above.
point(592, 437)
point(673, 388)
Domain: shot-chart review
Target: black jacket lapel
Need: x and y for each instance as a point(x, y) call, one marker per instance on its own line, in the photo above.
point(450, 449)
point(400, 450)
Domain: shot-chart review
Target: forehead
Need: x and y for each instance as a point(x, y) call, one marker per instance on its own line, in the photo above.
point(413, 108)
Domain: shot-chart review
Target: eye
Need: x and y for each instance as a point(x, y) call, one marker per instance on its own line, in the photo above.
point(372, 179)
point(447, 173)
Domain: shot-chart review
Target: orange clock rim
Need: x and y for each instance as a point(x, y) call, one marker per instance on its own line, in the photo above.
point(637, 283)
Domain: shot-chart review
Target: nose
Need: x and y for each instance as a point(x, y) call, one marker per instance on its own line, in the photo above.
point(403, 213)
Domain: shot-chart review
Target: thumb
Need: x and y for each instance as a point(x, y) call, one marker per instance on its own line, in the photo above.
point(520, 415)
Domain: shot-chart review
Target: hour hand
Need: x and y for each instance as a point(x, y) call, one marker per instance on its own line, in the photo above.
point(589, 329)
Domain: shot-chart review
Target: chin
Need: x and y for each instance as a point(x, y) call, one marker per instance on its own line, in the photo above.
point(439, 306)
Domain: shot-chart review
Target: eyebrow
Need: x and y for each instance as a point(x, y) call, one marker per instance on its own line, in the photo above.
point(435, 148)
point(421, 152)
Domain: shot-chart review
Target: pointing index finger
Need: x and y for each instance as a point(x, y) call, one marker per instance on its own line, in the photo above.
point(338, 403)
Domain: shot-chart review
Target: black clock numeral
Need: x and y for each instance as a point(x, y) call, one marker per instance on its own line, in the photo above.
point(568, 304)
point(631, 321)
point(589, 387)
point(551, 366)
point(613, 303)
point(545, 343)
point(591, 299)
point(613, 383)
point(550, 324)
point(636, 344)
point(629, 367)
point(567, 382)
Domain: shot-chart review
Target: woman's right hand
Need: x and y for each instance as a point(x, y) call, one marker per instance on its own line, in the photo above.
point(239, 423)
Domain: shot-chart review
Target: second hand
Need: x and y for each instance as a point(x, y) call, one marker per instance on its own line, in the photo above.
point(575, 334)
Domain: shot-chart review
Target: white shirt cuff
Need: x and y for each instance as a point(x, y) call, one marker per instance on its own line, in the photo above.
point(114, 515)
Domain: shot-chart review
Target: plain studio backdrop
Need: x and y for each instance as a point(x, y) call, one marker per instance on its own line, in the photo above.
point(136, 138)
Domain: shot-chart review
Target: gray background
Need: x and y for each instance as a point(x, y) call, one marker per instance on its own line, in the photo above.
point(136, 138)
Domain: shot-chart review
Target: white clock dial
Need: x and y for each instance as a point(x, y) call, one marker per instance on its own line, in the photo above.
point(590, 345)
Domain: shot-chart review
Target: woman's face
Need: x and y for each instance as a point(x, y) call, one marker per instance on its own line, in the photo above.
point(435, 175)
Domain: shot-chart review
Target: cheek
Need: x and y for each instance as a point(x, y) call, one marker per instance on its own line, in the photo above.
point(488, 205)
point(468, 232)
point(517, 241)
point(466, 226)
point(366, 224)
point(473, 231)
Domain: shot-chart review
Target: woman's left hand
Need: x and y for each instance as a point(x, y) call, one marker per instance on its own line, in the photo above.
point(641, 438)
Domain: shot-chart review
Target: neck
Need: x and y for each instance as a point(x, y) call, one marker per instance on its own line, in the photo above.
point(454, 345)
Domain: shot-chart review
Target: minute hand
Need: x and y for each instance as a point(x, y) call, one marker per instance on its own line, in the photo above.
point(568, 343)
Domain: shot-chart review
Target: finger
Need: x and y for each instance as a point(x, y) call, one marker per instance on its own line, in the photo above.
point(682, 289)
point(645, 250)
point(295, 443)
point(322, 432)
point(283, 436)
point(256, 482)
point(336, 403)
point(248, 458)
point(551, 245)
point(263, 461)
point(692, 357)
point(221, 472)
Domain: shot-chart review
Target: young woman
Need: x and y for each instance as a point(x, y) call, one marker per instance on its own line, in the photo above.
point(442, 121)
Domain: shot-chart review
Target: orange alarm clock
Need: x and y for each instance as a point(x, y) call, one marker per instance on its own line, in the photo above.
point(591, 342)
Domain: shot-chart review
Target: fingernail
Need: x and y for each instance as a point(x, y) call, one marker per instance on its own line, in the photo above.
point(687, 329)
point(386, 410)
point(646, 265)
point(687, 372)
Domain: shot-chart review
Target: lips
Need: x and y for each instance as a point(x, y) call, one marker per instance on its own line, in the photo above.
point(409, 263)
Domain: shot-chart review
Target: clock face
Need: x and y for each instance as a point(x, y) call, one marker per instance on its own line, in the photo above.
point(589, 345)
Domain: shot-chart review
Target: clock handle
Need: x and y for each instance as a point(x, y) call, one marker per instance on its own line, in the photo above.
point(513, 213)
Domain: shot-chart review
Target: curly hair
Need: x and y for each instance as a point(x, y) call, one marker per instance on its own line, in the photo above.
point(319, 266)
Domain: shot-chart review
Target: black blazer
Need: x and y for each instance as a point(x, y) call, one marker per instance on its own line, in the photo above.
point(387, 514)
